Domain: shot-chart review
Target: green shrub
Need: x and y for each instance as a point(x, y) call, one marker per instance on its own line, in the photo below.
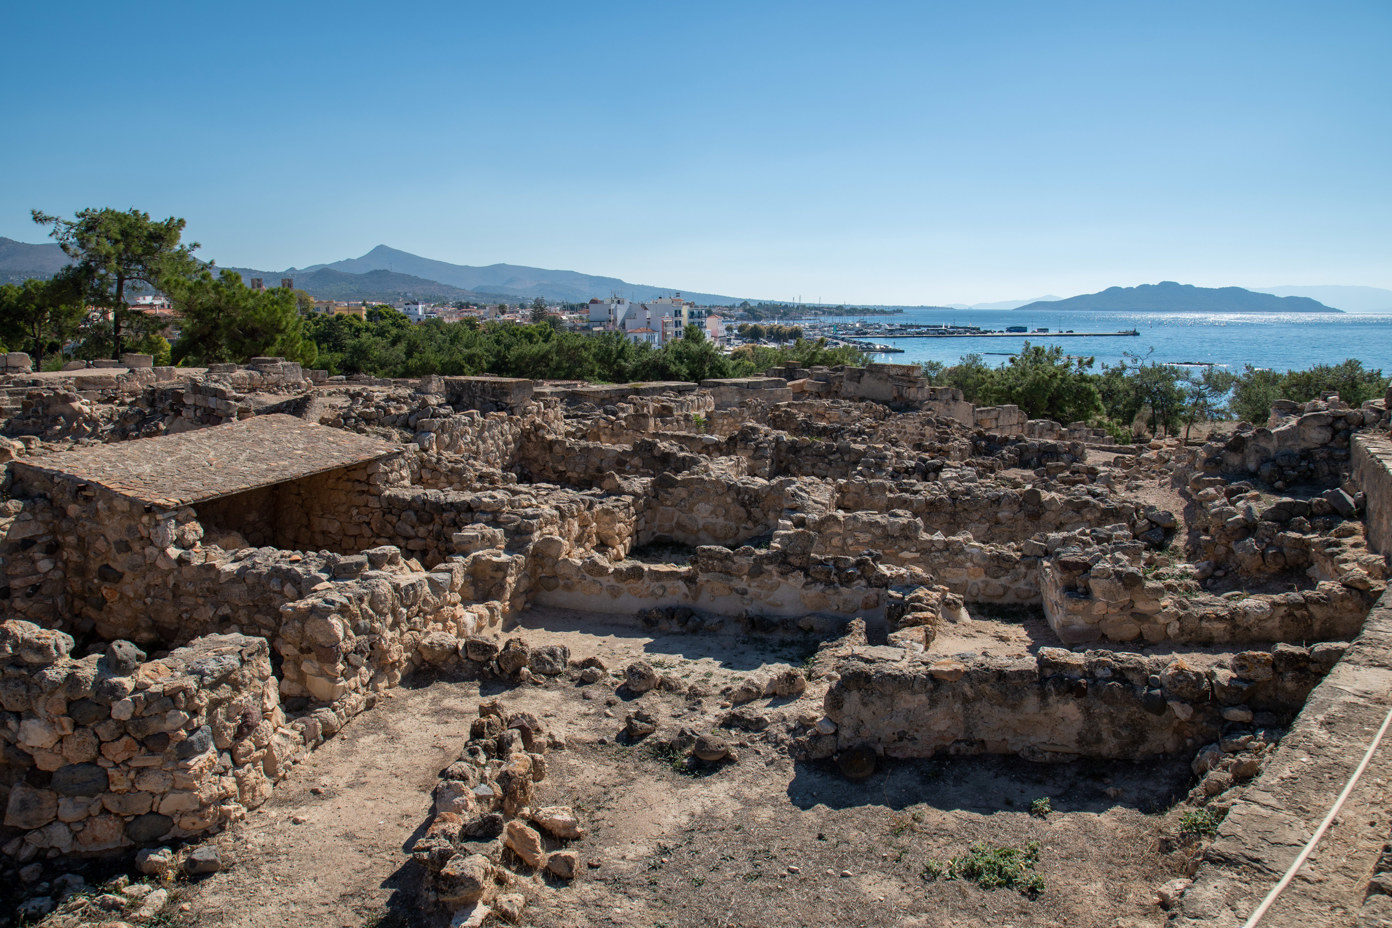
point(992, 867)
point(1200, 823)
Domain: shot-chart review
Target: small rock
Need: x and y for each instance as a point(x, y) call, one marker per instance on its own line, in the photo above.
point(559, 821)
point(35, 908)
point(550, 660)
point(745, 719)
point(472, 917)
point(563, 864)
point(122, 658)
point(153, 904)
point(510, 906)
point(463, 879)
point(481, 650)
point(524, 841)
point(483, 827)
point(154, 861)
point(1167, 896)
point(69, 883)
point(640, 677)
point(748, 691)
point(711, 748)
point(788, 684)
point(514, 656)
point(640, 724)
point(1216, 781)
point(1245, 768)
point(203, 860)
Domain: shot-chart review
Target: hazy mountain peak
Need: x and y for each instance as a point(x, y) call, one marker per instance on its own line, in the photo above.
point(1171, 297)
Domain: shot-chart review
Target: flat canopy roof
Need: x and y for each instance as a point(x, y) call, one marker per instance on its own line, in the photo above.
point(204, 464)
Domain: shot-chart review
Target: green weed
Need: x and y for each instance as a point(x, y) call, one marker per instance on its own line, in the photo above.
point(992, 867)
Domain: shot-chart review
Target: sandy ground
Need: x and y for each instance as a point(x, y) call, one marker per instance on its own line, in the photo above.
point(761, 842)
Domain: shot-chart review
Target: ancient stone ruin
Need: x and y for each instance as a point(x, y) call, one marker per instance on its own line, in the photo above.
point(207, 575)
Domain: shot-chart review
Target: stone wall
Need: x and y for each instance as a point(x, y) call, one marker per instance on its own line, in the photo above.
point(109, 752)
point(32, 573)
point(783, 580)
point(1103, 592)
point(1372, 470)
point(586, 464)
point(1309, 449)
point(424, 522)
point(733, 391)
point(489, 394)
point(1238, 528)
point(978, 572)
point(1059, 704)
point(990, 512)
point(1007, 420)
point(698, 510)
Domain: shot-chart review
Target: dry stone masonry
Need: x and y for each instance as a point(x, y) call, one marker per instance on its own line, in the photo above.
point(205, 574)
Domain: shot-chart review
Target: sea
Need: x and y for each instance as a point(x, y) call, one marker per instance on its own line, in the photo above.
point(1275, 341)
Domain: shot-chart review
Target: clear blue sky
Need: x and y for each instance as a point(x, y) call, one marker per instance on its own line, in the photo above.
point(919, 152)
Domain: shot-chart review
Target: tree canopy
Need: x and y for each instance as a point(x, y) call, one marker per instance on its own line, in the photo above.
point(224, 320)
point(1140, 395)
point(114, 250)
point(41, 315)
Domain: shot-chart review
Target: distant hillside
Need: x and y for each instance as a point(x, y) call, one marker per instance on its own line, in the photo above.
point(387, 273)
point(20, 260)
point(1349, 299)
point(1170, 297)
point(384, 286)
point(514, 280)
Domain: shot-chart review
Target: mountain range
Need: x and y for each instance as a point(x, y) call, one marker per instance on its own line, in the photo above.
point(509, 279)
point(389, 274)
point(1168, 296)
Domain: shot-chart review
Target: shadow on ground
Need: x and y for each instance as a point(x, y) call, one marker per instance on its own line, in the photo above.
point(988, 784)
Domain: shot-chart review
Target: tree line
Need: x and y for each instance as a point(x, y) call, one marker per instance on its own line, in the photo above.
point(83, 312)
point(1141, 393)
point(386, 344)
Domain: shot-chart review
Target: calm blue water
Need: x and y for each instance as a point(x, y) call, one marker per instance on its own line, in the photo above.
point(1280, 341)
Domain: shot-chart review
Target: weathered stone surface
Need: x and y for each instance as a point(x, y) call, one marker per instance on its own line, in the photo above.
point(640, 677)
point(203, 860)
point(559, 821)
point(464, 879)
point(711, 748)
point(30, 808)
point(524, 841)
point(80, 780)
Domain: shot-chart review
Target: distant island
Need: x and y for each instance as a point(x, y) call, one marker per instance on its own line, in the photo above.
point(1170, 297)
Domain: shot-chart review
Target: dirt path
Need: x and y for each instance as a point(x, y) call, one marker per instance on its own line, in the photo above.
point(339, 866)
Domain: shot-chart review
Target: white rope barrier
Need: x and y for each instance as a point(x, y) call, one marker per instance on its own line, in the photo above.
point(1319, 832)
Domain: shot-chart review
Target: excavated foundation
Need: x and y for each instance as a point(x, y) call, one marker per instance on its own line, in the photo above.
point(203, 589)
